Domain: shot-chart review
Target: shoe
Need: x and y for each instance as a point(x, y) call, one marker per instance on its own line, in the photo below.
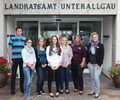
point(91, 93)
point(22, 91)
point(51, 95)
point(61, 92)
point(96, 96)
point(42, 92)
point(12, 92)
point(26, 96)
point(38, 94)
point(80, 93)
point(75, 90)
point(30, 95)
point(57, 94)
point(67, 92)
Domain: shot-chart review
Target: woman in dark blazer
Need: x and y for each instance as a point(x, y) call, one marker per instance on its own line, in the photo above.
point(94, 60)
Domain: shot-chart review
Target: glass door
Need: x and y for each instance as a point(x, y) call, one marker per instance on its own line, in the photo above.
point(68, 29)
point(48, 30)
point(85, 30)
point(30, 30)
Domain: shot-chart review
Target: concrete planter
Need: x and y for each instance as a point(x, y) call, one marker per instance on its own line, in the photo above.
point(3, 78)
point(116, 80)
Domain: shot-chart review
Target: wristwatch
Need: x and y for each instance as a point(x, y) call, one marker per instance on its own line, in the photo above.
point(32, 65)
point(68, 63)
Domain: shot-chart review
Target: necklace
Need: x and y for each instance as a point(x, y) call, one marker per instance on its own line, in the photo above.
point(55, 50)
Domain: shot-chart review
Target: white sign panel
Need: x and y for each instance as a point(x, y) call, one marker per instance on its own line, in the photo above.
point(60, 7)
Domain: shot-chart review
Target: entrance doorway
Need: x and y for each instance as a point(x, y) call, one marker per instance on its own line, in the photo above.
point(36, 29)
point(66, 27)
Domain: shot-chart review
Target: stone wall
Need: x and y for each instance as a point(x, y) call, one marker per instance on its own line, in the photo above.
point(59, 7)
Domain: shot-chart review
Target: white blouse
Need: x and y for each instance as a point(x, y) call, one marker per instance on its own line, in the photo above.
point(27, 57)
point(54, 58)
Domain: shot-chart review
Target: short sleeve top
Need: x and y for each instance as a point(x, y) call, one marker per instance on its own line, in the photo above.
point(67, 52)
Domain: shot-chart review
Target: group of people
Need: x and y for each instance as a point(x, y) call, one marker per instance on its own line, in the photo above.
point(58, 58)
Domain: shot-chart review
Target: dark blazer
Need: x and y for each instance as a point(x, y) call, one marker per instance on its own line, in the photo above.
point(99, 54)
point(38, 63)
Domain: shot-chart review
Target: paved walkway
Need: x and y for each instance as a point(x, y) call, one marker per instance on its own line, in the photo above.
point(108, 91)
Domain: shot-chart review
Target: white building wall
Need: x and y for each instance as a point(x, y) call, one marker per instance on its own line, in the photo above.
point(3, 33)
point(107, 30)
point(10, 28)
point(118, 33)
point(1, 27)
point(10, 25)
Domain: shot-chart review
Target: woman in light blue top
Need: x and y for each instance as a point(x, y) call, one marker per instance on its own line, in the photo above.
point(41, 69)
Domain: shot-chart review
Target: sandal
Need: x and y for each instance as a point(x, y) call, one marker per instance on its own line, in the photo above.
point(51, 94)
point(57, 94)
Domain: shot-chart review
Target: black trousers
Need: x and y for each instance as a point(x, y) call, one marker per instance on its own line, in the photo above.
point(77, 73)
point(17, 62)
point(57, 78)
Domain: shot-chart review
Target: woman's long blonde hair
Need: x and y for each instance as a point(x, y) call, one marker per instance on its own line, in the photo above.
point(38, 45)
point(74, 40)
point(66, 41)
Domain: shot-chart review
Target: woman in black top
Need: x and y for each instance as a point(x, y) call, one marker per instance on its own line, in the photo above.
point(94, 60)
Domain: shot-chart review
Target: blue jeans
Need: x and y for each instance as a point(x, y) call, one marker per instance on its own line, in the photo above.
point(65, 74)
point(41, 73)
point(28, 73)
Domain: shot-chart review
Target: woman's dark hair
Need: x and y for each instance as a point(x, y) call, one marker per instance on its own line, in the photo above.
point(19, 28)
point(27, 40)
point(57, 45)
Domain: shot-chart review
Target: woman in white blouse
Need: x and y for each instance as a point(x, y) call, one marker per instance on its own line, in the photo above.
point(65, 64)
point(29, 61)
point(54, 57)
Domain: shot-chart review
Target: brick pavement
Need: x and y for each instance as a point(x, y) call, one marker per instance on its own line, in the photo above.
point(108, 91)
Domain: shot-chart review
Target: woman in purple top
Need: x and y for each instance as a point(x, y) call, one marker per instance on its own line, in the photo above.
point(79, 55)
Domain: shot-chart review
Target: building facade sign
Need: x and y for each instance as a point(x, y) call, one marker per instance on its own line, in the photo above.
point(60, 7)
